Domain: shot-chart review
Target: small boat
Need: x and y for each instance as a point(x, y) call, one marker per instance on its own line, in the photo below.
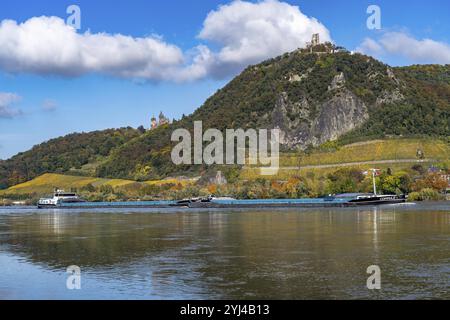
point(373, 199)
point(188, 202)
point(59, 197)
point(366, 199)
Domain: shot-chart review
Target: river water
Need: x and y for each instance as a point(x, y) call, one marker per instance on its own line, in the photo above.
point(239, 254)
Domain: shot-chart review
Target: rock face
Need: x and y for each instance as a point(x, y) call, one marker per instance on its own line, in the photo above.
point(304, 122)
point(340, 114)
point(389, 97)
point(338, 82)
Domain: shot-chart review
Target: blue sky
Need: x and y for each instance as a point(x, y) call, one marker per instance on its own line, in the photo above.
point(46, 92)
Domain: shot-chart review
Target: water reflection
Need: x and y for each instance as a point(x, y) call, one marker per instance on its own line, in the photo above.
point(299, 254)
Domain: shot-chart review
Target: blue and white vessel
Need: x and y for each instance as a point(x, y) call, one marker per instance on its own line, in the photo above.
point(59, 197)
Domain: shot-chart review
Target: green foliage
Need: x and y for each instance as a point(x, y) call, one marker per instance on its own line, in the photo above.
point(232, 173)
point(426, 194)
point(63, 154)
point(345, 180)
point(399, 183)
point(248, 101)
point(424, 111)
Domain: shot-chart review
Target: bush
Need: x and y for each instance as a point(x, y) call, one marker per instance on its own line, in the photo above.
point(426, 194)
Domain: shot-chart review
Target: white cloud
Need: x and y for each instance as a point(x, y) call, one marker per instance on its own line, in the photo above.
point(370, 47)
point(6, 101)
point(49, 105)
point(46, 45)
point(251, 32)
point(245, 32)
point(403, 45)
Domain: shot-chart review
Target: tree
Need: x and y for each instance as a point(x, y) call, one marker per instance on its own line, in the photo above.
point(399, 183)
point(433, 180)
point(345, 180)
point(141, 129)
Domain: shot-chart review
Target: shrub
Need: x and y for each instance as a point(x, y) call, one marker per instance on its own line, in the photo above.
point(426, 194)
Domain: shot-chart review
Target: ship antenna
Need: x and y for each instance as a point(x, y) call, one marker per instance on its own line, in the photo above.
point(374, 183)
point(374, 171)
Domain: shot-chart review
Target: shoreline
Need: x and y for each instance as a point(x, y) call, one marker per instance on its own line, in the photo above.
point(238, 204)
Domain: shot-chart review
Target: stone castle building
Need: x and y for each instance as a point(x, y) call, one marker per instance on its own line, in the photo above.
point(163, 120)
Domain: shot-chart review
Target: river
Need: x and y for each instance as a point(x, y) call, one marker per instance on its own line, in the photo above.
point(223, 254)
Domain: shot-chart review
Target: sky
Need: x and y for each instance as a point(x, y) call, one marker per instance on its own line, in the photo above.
point(128, 60)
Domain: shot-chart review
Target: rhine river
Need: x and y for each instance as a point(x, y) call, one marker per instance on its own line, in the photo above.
point(239, 254)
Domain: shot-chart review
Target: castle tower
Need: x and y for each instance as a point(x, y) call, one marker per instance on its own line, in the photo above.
point(163, 119)
point(315, 39)
point(314, 42)
point(153, 124)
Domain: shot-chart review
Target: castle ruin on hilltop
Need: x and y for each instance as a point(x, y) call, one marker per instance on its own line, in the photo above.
point(163, 120)
point(321, 48)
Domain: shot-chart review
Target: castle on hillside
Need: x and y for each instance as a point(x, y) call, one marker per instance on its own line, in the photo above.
point(162, 121)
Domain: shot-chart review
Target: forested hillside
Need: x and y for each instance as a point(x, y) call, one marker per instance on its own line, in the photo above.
point(63, 154)
point(312, 97)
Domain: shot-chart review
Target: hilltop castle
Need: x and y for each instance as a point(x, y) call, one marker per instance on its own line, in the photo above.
point(162, 121)
point(315, 46)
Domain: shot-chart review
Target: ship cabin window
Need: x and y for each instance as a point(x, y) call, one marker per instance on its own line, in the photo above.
point(65, 194)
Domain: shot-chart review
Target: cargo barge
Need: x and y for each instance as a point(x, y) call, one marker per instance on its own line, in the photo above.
point(347, 200)
point(62, 200)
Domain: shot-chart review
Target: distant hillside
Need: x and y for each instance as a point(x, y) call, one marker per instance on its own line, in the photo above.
point(400, 155)
point(46, 183)
point(396, 154)
point(63, 154)
point(312, 98)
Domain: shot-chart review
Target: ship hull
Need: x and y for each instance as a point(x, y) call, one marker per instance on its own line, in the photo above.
point(380, 202)
point(45, 206)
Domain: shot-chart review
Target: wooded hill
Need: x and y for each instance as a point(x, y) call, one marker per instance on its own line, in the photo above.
point(313, 98)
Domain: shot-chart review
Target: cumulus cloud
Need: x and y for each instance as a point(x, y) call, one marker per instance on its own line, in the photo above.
point(6, 101)
point(46, 45)
point(251, 32)
point(371, 47)
point(244, 32)
point(404, 45)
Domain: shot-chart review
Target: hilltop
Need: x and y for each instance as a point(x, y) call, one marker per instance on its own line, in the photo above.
point(313, 98)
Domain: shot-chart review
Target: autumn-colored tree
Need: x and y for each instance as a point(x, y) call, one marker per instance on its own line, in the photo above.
point(212, 189)
point(433, 180)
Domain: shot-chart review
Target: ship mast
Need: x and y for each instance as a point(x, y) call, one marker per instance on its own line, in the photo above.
point(374, 174)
